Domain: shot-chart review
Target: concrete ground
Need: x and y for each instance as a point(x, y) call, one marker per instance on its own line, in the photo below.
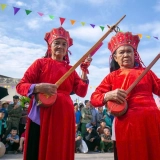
point(78, 156)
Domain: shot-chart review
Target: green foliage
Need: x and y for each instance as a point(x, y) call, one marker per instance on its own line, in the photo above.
point(23, 100)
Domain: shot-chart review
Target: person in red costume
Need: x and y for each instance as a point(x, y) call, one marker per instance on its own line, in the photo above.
point(50, 131)
point(137, 132)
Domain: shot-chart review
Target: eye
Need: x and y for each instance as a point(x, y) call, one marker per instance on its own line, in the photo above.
point(129, 51)
point(56, 43)
point(121, 52)
point(64, 44)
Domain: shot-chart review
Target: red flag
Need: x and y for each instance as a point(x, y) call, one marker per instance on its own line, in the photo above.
point(62, 20)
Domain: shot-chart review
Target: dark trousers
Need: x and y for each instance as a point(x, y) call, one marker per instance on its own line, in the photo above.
point(115, 151)
point(12, 146)
point(33, 141)
point(21, 129)
point(92, 145)
point(78, 143)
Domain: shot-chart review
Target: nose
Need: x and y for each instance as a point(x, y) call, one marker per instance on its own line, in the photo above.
point(60, 45)
point(126, 54)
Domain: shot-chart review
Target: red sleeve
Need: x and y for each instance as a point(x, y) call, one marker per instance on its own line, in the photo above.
point(80, 87)
point(104, 87)
point(30, 77)
point(155, 84)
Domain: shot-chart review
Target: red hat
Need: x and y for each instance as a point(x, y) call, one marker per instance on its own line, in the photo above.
point(56, 33)
point(121, 39)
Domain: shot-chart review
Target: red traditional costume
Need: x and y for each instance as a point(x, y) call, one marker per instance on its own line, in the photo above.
point(55, 138)
point(138, 130)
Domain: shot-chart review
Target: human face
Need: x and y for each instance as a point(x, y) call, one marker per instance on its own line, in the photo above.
point(107, 132)
point(13, 132)
point(59, 49)
point(76, 108)
point(103, 124)
point(15, 101)
point(124, 56)
point(88, 104)
point(5, 105)
point(100, 109)
point(26, 105)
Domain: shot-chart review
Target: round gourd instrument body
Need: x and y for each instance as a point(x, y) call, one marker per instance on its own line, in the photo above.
point(117, 109)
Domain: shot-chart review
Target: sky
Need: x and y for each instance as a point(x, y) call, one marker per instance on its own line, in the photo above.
point(22, 36)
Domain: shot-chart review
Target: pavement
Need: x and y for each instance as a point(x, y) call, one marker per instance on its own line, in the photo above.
point(78, 156)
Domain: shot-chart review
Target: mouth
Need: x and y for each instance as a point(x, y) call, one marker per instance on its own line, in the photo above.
point(126, 60)
point(59, 51)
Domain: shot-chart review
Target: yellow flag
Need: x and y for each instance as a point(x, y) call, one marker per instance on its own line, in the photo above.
point(3, 6)
point(83, 23)
point(72, 22)
point(140, 36)
point(148, 36)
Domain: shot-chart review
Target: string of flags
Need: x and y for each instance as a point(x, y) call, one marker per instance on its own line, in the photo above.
point(62, 20)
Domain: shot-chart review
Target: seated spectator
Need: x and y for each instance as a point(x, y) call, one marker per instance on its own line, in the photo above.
point(78, 140)
point(99, 115)
point(3, 119)
point(108, 117)
point(100, 129)
point(21, 144)
point(106, 143)
point(92, 138)
point(12, 140)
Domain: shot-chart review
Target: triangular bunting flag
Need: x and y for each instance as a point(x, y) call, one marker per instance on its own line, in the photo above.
point(156, 38)
point(28, 12)
point(3, 6)
point(62, 20)
point(41, 14)
point(102, 28)
point(83, 23)
point(148, 36)
point(92, 25)
point(140, 36)
point(72, 22)
point(51, 17)
point(16, 10)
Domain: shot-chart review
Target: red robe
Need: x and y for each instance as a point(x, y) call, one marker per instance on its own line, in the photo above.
point(57, 123)
point(137, 131)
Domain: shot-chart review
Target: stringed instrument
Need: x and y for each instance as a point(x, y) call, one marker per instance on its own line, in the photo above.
point(48, 100)
point(120, 109)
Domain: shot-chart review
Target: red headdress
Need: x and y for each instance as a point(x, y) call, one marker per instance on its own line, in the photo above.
point(125, 38)
point(56, 33)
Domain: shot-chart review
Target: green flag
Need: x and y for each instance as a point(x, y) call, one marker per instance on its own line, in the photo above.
point(28, 12)
point(51, 17)
point(102, 28)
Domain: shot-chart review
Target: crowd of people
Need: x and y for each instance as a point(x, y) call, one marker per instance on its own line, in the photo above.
point(94, 127)
point(13, 124)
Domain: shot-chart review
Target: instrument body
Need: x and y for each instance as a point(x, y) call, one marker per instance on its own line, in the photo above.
point(44, 100)
point(117, 109)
